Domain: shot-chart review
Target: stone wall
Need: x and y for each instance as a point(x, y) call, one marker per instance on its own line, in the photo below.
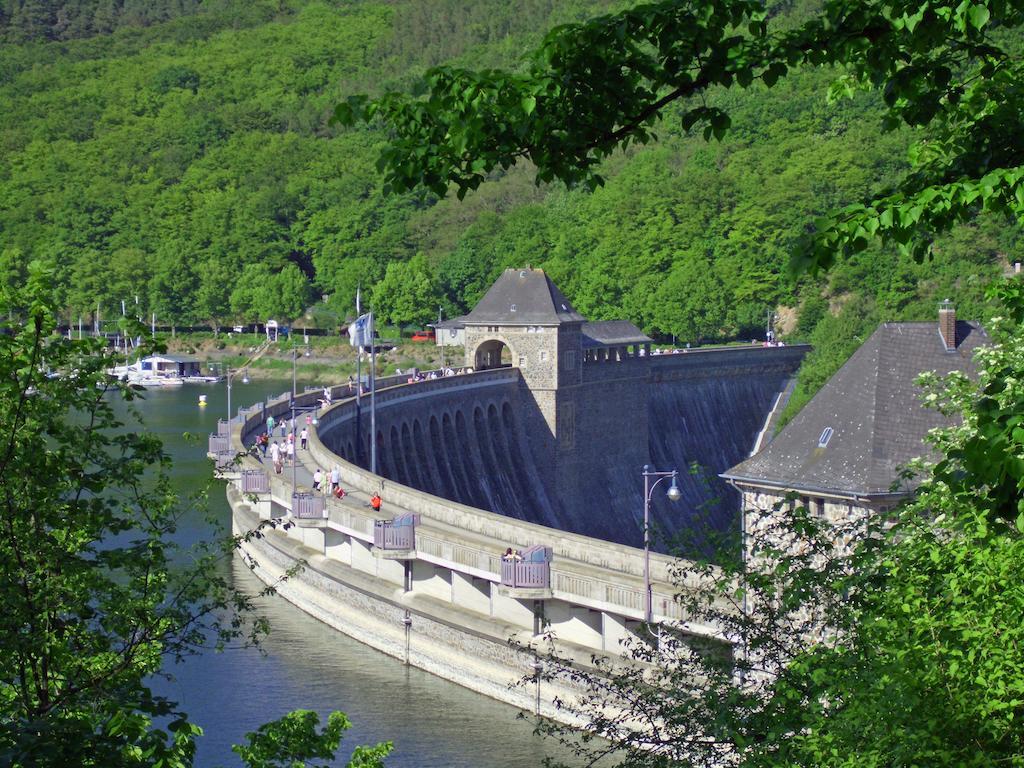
point(488, 656)
point(483, 440)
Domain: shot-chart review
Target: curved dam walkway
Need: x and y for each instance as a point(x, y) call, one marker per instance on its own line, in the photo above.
point(699, 412)
point(436, 591)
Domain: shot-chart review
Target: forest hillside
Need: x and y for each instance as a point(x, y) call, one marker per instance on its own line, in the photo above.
point(178, 155)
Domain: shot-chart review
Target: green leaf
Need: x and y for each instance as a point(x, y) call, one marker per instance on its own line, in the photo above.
point(528, 103)
point(978, 15)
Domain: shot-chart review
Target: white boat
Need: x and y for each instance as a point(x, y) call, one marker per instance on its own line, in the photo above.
point(158, 371)
point(156, 382)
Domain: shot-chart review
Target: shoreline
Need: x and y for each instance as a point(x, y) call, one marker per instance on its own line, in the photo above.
point(322, 361)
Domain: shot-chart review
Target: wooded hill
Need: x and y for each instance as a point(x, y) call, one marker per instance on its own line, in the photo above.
point(180, 152)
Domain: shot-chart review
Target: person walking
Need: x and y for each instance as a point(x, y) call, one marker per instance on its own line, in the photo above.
point(303, 437)
point(291, 451)
point(317, 479)
point(270, 425)
point(335, 478)
point(275, 457)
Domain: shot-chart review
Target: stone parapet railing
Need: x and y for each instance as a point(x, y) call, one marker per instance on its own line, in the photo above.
point(590, 572)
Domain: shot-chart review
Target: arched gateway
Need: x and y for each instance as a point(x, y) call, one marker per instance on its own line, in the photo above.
point(492, 353)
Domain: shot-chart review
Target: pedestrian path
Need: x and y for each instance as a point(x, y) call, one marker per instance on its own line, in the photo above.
point(304, 469)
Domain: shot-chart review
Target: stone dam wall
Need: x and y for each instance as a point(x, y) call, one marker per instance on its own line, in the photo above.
point(445, 606)
point(472, 445)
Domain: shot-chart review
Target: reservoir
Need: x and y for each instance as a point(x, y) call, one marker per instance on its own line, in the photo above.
point(305, 664)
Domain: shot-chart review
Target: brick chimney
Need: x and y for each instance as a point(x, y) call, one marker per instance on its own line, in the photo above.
point(947, 325)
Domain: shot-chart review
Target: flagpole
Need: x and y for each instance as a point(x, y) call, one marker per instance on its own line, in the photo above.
point(359, 382)
point(439, 336)
point(373, 398)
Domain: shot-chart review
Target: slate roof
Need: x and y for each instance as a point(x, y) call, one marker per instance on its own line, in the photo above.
point(523, 297)
point(453, 322)
point(611, 333)
point(172, 359)
point(874, 411)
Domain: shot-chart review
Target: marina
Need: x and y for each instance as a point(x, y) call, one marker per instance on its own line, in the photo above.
point(163, 371)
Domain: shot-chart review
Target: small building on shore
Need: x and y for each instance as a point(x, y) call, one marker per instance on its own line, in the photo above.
point(450, 333)
point(174, 366)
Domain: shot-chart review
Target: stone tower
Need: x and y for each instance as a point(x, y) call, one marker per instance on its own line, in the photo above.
point(526, 322)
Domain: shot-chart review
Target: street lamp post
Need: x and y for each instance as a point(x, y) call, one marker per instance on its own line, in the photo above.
point(230, 375)
point(673, 494)
point(295, 352)
point(294, 436)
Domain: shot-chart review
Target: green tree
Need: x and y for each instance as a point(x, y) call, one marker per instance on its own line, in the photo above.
point(690, 302)
point(884, 640)
point(213, 294)
point(173, 286)
point(407, 294)
point(93, 604)
point(601, 85)
point(261, 293)
point(293, 739)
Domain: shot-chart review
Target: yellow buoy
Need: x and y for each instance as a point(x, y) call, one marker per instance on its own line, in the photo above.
point(202, 401)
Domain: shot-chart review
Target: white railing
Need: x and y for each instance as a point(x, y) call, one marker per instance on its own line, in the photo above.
point(254, 481)
point(308, 506)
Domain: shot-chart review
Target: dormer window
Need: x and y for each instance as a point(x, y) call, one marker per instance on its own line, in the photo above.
point(513, 308)
point(826, 435)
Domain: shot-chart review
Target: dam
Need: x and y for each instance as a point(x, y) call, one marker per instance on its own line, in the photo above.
point(566, 452)
point(540, 448)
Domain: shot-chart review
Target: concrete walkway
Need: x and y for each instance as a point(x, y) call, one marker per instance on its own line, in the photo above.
point(304, 469)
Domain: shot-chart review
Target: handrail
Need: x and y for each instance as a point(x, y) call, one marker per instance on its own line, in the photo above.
point(388, 536)
point(518, 573)
point(217, 443)
point(484, 561)
point(308, 505)
point(254, 481)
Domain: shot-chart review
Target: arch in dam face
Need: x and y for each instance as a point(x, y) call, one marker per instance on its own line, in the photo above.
point(396, 461)
point(492, 353)
point(446, 479)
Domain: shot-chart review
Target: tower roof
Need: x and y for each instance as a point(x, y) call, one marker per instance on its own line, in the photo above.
point(609, 333)
point(867, 420)
point(523, 297)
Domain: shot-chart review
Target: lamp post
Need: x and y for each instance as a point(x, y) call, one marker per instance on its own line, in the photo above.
point(295, 352)
point(230, 375)
point(673, 494)
point(294, 436)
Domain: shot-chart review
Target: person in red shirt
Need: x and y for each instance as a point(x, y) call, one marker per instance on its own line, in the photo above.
point(375, 502)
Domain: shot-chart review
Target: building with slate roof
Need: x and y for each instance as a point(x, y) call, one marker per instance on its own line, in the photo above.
point(524, 320)
point(523, 297)
point(450, 333)
point(843, 452)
